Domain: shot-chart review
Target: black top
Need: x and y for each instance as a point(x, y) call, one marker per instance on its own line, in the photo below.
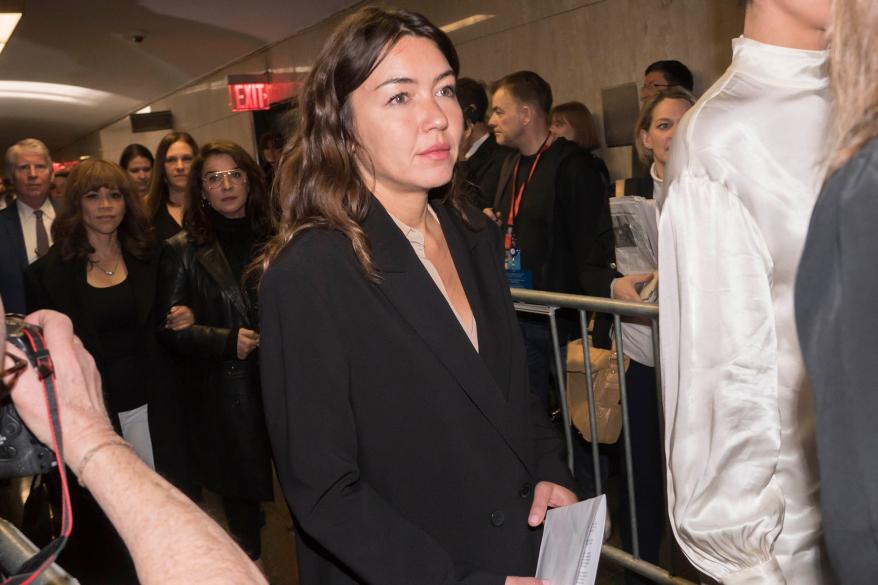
point(124, 371)
point(406, 456)
point(115, 324)
point(640, 186)
point(165, 225)
point(563, 227)
point(238, 243)
point(836, 290)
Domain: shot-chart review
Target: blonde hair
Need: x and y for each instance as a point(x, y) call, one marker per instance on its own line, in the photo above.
point(853, 38)
point(644, 119)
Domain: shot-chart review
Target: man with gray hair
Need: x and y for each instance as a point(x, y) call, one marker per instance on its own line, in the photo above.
point(26, 226)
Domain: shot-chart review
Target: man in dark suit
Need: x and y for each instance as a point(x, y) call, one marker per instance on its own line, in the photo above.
point(26, 225)
point(481, 156)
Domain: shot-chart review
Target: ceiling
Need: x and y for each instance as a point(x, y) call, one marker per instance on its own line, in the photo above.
point(74, 66)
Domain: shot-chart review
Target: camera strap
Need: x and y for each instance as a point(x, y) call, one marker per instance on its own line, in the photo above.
point(39, 357)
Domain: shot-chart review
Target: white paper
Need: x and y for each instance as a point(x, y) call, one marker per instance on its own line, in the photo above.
point(572, 539)
point(635, 230)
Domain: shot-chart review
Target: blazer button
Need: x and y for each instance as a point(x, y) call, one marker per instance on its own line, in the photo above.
point(498, 518)
point(525, 490)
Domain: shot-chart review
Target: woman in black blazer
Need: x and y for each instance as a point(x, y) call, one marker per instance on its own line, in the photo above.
point(836, 294)
point(101, 272)
point(227, 220)
point(394, 375)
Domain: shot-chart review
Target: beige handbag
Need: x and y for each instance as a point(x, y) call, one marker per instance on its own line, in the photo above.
point(605, 378)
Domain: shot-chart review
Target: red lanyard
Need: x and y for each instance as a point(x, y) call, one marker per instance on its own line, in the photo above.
point(516, 199)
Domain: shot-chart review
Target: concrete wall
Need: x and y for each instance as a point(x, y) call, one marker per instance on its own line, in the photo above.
point(578, 46)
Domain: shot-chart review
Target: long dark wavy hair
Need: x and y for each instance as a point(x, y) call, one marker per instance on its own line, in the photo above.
point(158, 187)
point(258, 208)
point(318, 182)
point(68, 230)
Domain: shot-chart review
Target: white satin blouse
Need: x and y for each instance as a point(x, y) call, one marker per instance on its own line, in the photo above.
point(744, 174)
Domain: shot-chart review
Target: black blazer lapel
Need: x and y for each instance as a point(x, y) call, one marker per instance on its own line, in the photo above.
point(408, 286)
point(66, 285)
point(142, 277)
point(470, 251)
point(9, 217)
point(214, 261)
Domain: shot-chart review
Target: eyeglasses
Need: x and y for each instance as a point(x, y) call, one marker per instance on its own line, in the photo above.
point(14, 372)
point(215, 180)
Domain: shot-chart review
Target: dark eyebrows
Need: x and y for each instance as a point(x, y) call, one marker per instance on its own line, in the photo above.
point(395, 80)
point(409, 80)
point(442, 76)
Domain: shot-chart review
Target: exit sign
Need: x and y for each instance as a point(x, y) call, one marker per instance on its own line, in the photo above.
point(245, 97)
point(248, 92)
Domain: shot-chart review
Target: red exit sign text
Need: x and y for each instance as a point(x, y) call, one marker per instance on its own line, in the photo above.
point(245, 97)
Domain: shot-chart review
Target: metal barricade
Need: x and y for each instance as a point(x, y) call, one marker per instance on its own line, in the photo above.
point(546, 303)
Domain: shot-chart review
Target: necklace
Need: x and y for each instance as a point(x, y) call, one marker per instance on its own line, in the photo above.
point(101, 268)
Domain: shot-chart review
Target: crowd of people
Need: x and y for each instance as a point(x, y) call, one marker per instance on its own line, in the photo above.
point(342, 311)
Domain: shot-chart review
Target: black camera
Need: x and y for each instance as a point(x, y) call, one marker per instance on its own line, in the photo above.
point(21, 453)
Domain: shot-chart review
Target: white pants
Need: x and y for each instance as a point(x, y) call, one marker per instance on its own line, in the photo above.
point(135, 430)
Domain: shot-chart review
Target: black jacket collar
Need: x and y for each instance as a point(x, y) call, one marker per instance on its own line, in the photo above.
point(484, 376)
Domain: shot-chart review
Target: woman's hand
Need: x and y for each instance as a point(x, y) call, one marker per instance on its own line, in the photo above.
point(548, 495)
point(627, 288)
point(494, 215)
point(179, 317)
point(525, 581)
point(248, 340)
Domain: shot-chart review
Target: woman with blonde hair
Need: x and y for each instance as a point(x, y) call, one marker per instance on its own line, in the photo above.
point(653, 131)
point(836, 294)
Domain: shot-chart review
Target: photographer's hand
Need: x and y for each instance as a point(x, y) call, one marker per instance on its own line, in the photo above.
point(170, 539)
point(81, 408)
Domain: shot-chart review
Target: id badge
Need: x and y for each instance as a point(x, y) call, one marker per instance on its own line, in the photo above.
point(519, 279)
point(513, 259)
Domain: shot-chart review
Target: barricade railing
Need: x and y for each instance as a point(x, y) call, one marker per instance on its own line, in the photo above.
point(548, 304)
point(15, 549)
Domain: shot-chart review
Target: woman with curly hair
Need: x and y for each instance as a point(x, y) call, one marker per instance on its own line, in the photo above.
point(101, 271)
point(227, 221)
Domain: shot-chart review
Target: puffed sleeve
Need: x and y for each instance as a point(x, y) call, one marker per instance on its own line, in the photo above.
point(312, 427)
point(719, 368)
